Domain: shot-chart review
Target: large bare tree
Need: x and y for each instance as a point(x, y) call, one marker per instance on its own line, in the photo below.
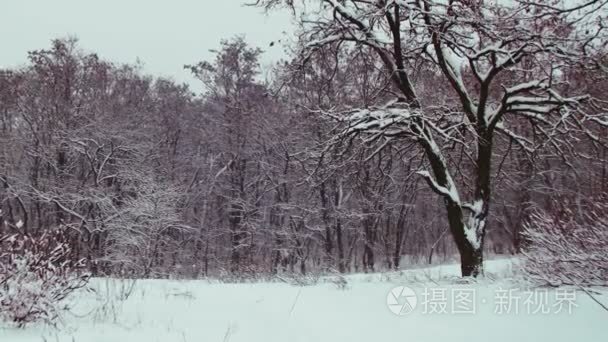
point(506, 63)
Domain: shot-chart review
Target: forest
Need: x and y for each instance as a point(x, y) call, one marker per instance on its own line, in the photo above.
point(394, 134)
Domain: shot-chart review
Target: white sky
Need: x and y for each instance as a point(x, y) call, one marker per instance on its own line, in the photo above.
point(164, 34)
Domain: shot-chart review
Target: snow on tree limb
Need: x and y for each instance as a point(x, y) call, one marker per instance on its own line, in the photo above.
point(438, 188)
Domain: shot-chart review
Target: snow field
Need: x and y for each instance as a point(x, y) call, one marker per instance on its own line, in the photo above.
point(200, 311)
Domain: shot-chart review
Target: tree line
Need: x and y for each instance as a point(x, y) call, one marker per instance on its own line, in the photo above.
point(394, 133)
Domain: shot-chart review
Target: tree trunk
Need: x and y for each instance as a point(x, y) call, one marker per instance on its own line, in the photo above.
point(340, 245)
point(471, 261)
point(328, 244)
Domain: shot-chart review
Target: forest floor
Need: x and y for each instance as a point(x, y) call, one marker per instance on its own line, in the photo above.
point(360, 307)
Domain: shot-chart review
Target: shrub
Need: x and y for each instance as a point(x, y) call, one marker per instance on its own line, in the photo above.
point(36, 275)
point(568, 247)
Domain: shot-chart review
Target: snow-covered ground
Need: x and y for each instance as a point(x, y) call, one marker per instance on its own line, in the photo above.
point(203, 311)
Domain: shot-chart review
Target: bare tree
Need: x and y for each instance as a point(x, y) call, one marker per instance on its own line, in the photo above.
point(474, 45)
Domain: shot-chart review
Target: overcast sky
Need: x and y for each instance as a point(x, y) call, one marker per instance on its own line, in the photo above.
point(164, 34)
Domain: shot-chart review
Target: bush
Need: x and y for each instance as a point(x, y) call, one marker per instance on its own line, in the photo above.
point(568, 247)
point(36, 275)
